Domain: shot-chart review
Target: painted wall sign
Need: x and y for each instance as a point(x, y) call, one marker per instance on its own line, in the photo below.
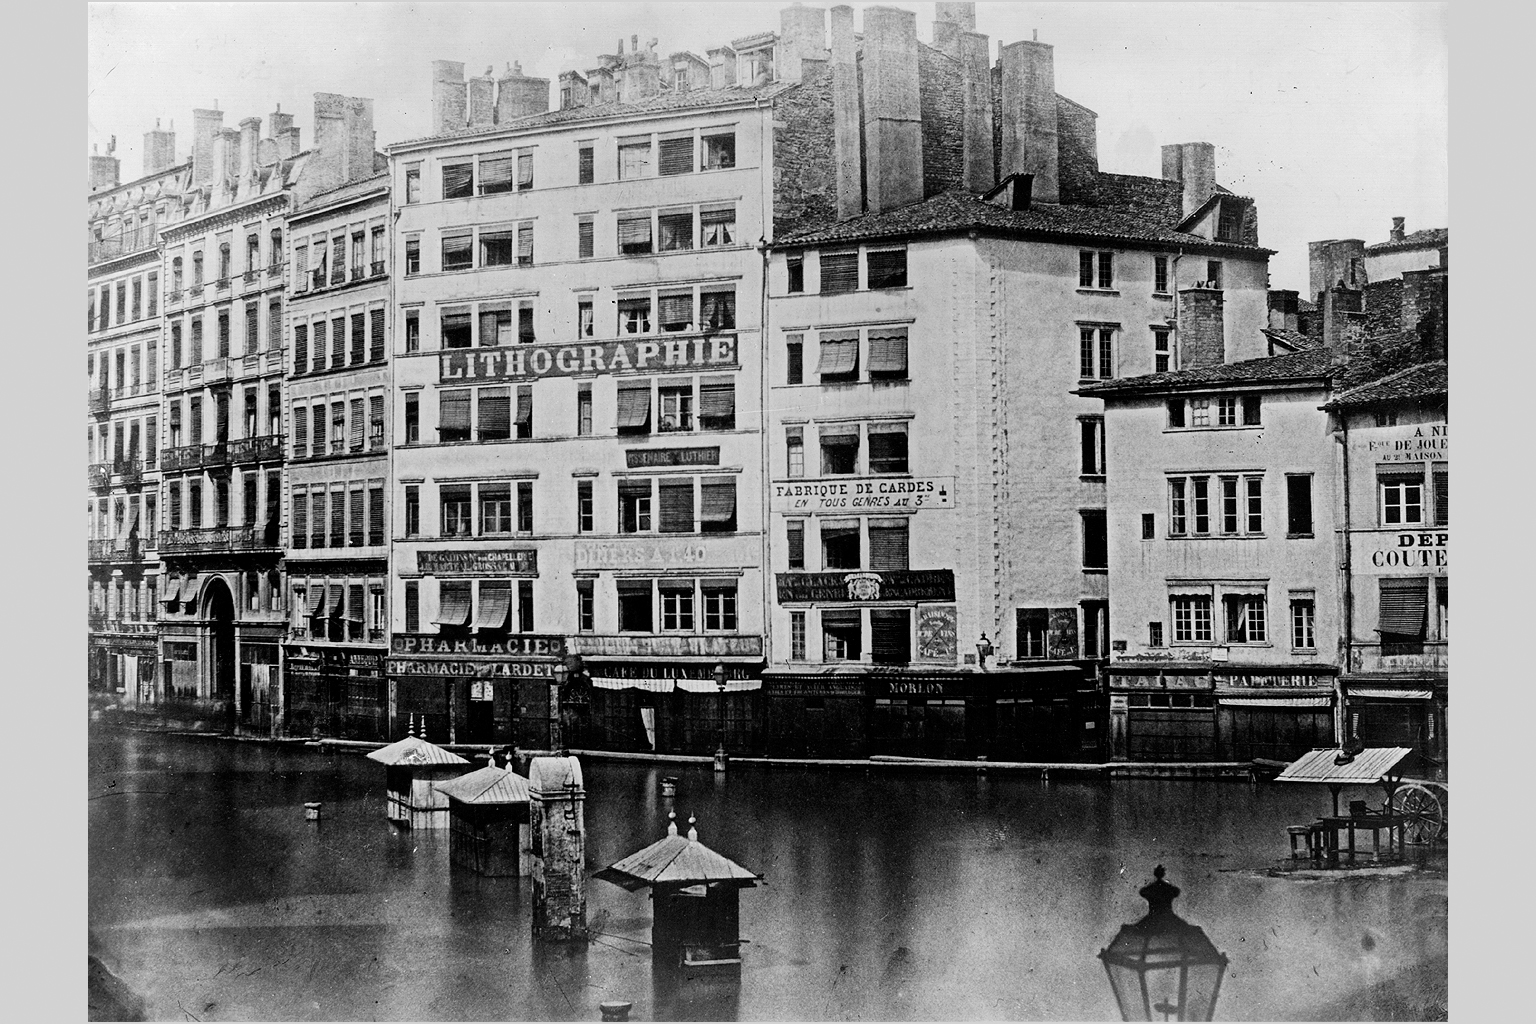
point(669, 646)
point(874, 492)
point(1061, 635)
point(471, 669)
point(528, 362)
point(647, 554)
point(1165, 681)
point(644, 458)
point(1423, 551)
point(463, 562)
point(1427, 442)
point(937, 635)
point(892, 585)
point(1265, 680)
point(524, 645)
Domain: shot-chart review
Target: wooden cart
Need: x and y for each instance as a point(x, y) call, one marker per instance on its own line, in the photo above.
point(1413, 811)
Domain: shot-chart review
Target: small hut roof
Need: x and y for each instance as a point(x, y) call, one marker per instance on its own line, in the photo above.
point(414, 751)
point(676, 860)
point(487, 786)
point(1366, 768)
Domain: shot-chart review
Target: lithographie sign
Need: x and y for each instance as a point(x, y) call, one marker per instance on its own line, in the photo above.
point(464, 562)
point(1426, 442)
point(937, 635)
point(876, 492)
point(645, 458)
point(891, 585)
point(529, 362)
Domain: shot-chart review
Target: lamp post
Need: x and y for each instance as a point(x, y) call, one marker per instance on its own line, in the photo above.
point(720, 682)
point(983, 651)
point(562, 673)
point(1162, 967)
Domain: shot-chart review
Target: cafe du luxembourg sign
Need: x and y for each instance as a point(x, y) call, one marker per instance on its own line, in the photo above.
point(528, 362)
point(892, 585)
point(863, 493)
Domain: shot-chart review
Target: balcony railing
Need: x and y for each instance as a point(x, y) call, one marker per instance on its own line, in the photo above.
point(173, 296)
point(98, 475)
point(194, 291)
point(215, 370)
point(265, 448)
point(357, 273)
point(118, 549)
point(131, 471)
point(339, 275)
point(221, 283)
point(249, 277)
point(194, 456)
point(275, 269)
point(217, 540)
point(111, 248)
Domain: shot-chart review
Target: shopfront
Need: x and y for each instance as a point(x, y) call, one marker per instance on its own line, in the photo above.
point(473, 690)
point(337, 691)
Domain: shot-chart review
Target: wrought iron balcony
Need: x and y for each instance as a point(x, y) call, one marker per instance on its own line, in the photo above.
point(130, 471)
point(249, 277)
point(266, 448)
point(217, 540)
point(98, 475)
point(195, 456)
point(221, 283)
point(357, 273)
point(106, 550)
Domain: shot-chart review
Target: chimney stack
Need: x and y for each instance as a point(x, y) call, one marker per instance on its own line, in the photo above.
point(288, 143)
point(279, 122)
point(520, 96)
point(343, 147)
point(159, 150)
point(205, 129)
point(250, 135)
point(951, 21)
point(979, 160)
point(802, 35)
point(573, 90)
point(482, 99)
point(848, 143)
point(893, 125)
point(1194, 164)
point(1202, 331)
point(1028, 71)
point(447, 95)
point(722, 61)
point(105, 170)
point(1397, 230)
point(227, 149)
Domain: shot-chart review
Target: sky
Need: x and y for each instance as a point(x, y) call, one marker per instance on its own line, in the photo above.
point(1333, 117)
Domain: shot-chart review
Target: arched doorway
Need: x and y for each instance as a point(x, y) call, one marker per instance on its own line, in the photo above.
point(219, 611)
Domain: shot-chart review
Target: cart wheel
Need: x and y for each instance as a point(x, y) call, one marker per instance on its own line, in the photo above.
point(1425, 817)
point(1443, 794)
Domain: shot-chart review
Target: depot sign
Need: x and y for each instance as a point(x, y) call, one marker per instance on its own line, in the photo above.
point(529, 362)
point(1387, 554)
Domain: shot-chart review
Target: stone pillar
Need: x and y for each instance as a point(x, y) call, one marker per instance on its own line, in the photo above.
point(557, 828)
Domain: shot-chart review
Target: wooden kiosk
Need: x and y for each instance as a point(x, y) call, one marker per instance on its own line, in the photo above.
point(413, 767)
point(488, 822)
point(696, 924)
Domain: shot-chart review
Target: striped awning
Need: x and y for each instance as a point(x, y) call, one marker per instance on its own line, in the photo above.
point(1387, 693)
point(1366, 768)
point(495, 604)
point(454, 609)
point(172, 591)
point(653, 685)
point(634, 406)
point(838, 355)
point(1275, 702)
point(189, 587)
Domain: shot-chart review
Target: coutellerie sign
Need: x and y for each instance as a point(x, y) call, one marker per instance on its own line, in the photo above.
point(891, 585)
point(529, 362)
point(464, 562)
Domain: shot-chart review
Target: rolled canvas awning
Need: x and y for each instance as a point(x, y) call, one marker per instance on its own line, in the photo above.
point(316, 597)
point(1275, 702)
point(495, 604)
point(171, 592)
point(1386, 693)
point(634, 407)
point(454, 610)
point(189, 588)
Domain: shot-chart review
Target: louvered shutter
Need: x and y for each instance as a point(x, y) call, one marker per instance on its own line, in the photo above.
point(524, 170)
point(252, 327)
point(675, 309)
point(525, 243)
point(676, 156)
point(355, 518)
point(375, 421)
point(525, 406)
point(338, 517)
point(274, 504)
point(455, 330)
point(890, 636)
point(1404, 604)
point(717, 399)
point(495, 414)
point(634, 406)
point(888, 351)
point(151, 443)
point(317, 438)
point(717, 501)
point(489, 334)
point(319, 345)
point(317, 518)
point(888, 268)
point(376, 334)
point(316, 595)
point(458, 180)
point(356, 432)
point(338, 342)
point(796, 534)
point(839, 352)
point(375, 513)
point(496, 174)
point(355, 604)
point(635, 231)
point(840, 272)
point(676, 500)
point(359, 338)
point(1442, 482)
point(300, 348)
point(888, 546)
point(454, 411)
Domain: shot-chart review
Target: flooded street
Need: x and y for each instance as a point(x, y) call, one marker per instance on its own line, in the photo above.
point(889, 895)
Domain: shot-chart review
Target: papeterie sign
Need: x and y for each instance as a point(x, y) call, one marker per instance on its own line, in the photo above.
point(874, 493)
point(529, 362)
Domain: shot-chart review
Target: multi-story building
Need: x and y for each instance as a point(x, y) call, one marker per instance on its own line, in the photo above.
point(338, 393)
point(938, 511)
point(122, 365)
point(577, 403)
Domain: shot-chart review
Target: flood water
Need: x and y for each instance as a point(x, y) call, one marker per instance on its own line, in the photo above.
point(889, 895)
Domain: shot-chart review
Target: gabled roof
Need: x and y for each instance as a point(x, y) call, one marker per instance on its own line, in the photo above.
point(1429, 238)
point(1291, 341)
point(1426, 380)
point(1315, 365)
point(661, 103)
point(487, 786)
point(414, 752)
point(1206, 207)
point(676, 860)
point(959, 211)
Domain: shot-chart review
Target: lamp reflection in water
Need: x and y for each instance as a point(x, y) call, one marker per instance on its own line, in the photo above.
point(1162, 967)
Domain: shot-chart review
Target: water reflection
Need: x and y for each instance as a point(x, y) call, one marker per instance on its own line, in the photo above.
point(887, 896)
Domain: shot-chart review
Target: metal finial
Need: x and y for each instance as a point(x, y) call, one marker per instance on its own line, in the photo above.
point(693, 833)
point(671, 823)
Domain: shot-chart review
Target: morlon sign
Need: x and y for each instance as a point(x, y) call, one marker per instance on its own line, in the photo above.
point(529, 362)
point(876, 492)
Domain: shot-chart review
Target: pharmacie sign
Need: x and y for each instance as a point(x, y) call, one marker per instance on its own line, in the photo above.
point(524, 645)
point(528, 362)
point(863, 493)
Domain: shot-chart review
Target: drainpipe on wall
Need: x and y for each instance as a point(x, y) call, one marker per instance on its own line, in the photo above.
point(1178, 344)
point(1346, 642)
point(765, 185)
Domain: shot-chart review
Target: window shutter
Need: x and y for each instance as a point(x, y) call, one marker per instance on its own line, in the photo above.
point(717, 501)
point(458, 180)
point(496, 174)
point(840, 272)
point(338, 342)
point(317, 438)
point(375, 513)
point(887, 451)
point(495, 413)
point(890, 636)
point(676, 156)
point(635, 231)
point(717, 310)
point(888, 547)
point(888, 351)
point(839, 352)
point(525, 243)
point(584, 239)
point(252, 324)
point(495, 605)
point(675, 309)
point(524, 170)
point(795, 531)
point(355, 435)
point(454, 410)
point(525, 406)
point(274, 502)
point(355, 518)
point(319, 347)
point(888, 268)
point(676, 501)
point(300, 431)
point(717, 401)
point(709, 217)
point(317, 518)
point(489, 335)
point(634, 406)
point(376, 421)
point(376, 332)
point(300, 348)
point(1404, 604)
point(1442, 480)
point(338, 517)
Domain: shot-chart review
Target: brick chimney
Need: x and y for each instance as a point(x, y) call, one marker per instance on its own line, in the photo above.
point(893, 135)
point(448, 96)
point(848, 143)
point(978, 158)
point(802, 35)
point(250, 135)
point(205, 129)
point(517, 95)
point(227, 156)
point(343, 147)
point(1193, 164)
point(950, 22)
point(1396, 234)
point(482, 99)
point(159, 149)
point(1202, 330)
point(1029, 115)
point(105, 170)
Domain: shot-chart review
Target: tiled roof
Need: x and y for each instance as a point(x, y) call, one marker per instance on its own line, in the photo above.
point(660, 103)
point(958, 210)
point(1429, 238)
point(414, 752)
point(1426, 380)
point(674, 860)
point(488, 785)
point(1292, 339)
point(1310, 364)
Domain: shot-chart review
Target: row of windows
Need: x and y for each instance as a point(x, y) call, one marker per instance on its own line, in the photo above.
point(841, 451)
point(124, 442)
point(845, 636)
point(839, 272)
point(351, 429)
point(133, 233)
point(124, 600)
point(187, 499)
point(337, 515)
point(637, 156)
point(187, 346)
point(123, 302)
point(346, 339)
point(129, 370)
point(1220, 411)
point(1096, 271)
point(845, 543)
point(345, 256)
point(1054, 632)
point(1239, 505)
point(121, 516)
point(190, 429)
point(225, 265)
point(339, 609)
point(850, 355)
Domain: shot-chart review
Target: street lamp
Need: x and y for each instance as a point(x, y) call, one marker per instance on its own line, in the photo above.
point(720, 682)
point(1162, 967)
point(983, 650)
point(562, 674)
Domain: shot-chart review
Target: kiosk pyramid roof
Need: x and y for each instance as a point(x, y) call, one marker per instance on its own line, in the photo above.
point(487, 786)
point(674, 860)
point(414, 751)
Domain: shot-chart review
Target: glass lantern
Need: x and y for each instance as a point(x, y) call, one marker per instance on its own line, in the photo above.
point(1162, 967)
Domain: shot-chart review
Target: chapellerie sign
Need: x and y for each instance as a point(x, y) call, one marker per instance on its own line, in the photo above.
point(462, 562)
point(529, 362)
point(891, 585)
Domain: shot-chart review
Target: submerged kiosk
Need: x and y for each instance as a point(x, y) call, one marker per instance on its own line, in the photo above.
point(488, 822)
point(413, 766)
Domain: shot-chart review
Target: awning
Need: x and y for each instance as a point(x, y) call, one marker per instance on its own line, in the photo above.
point(189, 587)
point(1386, 693)
point(333, 594)
point(1275, 702)
point(709, 686)
point(454, 609)
point(316, 597)
point(718, 501)
point(888, 352)
point(495, 604)
point(1403, 607)
point(525, 406)
point(838, 355)
point(172, 592)
point(652, 685)
point(634, 406)
point(1366, 768)
point(717, 400)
